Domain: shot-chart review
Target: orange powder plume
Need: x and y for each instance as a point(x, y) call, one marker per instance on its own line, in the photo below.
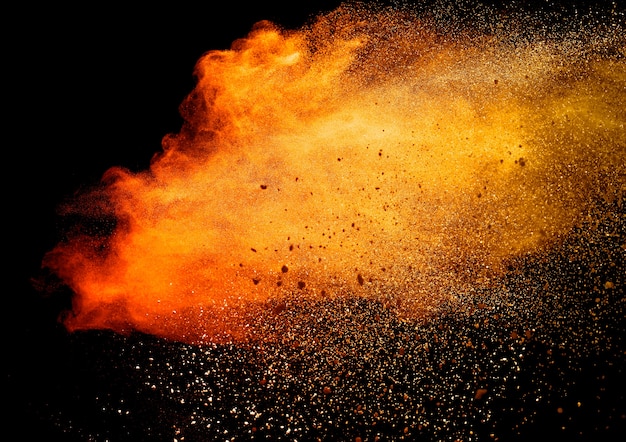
point(367, 154)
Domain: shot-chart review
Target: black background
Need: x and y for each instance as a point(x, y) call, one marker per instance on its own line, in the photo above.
point(91, 87)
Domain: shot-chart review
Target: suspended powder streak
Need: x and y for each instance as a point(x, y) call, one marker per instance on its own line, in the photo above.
point(371, 153)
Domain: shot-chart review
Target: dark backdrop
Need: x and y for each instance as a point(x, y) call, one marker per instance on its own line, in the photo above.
point(90, 87)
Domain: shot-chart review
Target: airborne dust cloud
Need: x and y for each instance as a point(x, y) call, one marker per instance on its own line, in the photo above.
point(399, 157)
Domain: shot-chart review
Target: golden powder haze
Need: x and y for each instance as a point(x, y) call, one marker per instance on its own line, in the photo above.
point(369, 153)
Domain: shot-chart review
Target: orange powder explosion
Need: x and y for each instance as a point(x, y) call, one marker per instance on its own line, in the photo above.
point(367, 154)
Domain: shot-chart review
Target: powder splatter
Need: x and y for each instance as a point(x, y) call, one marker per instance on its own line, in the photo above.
point(377, 152)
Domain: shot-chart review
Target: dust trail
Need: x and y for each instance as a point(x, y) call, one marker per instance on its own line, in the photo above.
point(383, 153)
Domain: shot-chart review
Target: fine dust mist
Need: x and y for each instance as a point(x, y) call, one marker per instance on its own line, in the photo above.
point(381, 153)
